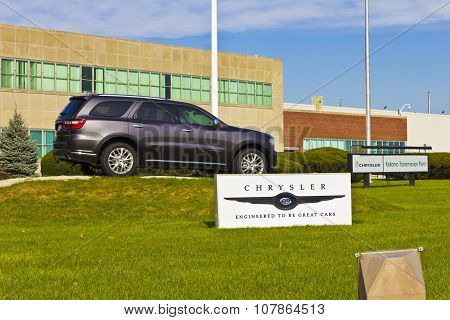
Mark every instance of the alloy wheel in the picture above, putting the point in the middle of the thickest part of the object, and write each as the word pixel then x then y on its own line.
pixel 252 163
pixel 120 160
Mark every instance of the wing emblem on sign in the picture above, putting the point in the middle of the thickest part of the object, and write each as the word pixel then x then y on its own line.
pixel 286 200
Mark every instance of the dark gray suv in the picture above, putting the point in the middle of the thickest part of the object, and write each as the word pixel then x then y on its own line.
pixel 121 133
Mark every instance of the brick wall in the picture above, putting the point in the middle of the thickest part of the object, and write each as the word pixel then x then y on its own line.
pixel 303 124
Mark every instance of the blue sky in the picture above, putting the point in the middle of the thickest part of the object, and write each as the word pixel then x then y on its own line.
pixel 316 39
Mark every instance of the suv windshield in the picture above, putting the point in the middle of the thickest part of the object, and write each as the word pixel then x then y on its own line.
pixel 73 107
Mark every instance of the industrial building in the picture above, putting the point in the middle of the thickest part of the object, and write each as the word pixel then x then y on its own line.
pixel 40 70
pixel 310 126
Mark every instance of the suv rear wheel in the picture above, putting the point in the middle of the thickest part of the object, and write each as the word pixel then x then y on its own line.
pixel 119 160
pixel 250 161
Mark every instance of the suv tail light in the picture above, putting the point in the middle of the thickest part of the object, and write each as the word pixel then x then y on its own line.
pixel 73 124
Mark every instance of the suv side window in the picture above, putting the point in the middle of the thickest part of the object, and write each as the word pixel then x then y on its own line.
pixel 151 112
pixel 192 116
pixel 111 109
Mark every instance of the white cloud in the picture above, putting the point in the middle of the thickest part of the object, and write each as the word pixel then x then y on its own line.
pixel 178 18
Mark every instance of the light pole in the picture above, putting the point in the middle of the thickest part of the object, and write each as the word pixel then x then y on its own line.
pixel 407 106
pixel 368 124
pixel 429 101
pixel 214 61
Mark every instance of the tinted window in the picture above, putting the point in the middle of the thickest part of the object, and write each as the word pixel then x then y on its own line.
pixel 153 113
pixel 111 109
pixel 192 116
pixel 73 107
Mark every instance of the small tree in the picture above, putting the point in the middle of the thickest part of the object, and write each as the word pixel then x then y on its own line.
pixel 18 152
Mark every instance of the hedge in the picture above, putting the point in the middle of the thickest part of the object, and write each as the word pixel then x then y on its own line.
pixel 50 166
pixel 320 160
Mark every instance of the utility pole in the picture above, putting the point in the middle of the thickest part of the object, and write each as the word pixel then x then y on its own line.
pixel 214 61
pixel 429 102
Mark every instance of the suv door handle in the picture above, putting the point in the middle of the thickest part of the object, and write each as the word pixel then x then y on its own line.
pixel 137 126
pixel 186 130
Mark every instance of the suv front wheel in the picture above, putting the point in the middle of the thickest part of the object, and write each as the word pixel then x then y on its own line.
pixel 250 161
pixel 119 160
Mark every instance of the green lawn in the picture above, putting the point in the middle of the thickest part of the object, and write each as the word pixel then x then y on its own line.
pixel 155 239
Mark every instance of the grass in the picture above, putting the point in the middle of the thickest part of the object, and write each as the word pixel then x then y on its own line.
pixel 155 239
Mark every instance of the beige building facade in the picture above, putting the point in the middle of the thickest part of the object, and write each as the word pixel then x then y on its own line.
pixel 41 69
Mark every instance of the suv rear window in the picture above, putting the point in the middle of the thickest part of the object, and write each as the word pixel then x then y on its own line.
pixel 73 107
pixel 111 109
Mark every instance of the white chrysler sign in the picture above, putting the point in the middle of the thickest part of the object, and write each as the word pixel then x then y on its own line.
pixel 389 163
pixel 283 200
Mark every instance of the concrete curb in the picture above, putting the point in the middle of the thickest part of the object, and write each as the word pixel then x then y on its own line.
pixel 10 182
pixel 171 177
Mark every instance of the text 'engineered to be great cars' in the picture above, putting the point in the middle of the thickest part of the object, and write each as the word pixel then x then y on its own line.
pixel 121 133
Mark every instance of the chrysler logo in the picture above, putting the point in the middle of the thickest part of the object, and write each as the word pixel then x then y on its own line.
pixel 285 200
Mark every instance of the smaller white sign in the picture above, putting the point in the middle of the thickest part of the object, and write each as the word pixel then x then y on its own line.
pixel 413 163
pixel 283 200
pixel 365 164
pixel 389 163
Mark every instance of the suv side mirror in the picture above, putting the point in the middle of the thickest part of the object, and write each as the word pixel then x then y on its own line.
pixel 216 123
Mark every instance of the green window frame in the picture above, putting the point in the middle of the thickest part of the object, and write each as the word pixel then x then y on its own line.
pixel 144 84
pixel 48 76
pixel 110 81
pixel 233 87
pixel 206 90
pixel 133 83
pixel 186 88
pixel 62 78
pixel 74 79
pixel 176 87
pixel 242 92
pixel 155 85
pixel 196 89
pixel 7 73
pixel 35 75
pixel 21 74
pixel 99 80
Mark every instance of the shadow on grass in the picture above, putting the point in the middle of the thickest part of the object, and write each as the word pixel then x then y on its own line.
pixel 210 224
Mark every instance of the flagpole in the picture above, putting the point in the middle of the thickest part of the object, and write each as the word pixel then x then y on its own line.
pixel 214 61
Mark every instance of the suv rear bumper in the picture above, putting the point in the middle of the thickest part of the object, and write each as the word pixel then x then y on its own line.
pixel 75 156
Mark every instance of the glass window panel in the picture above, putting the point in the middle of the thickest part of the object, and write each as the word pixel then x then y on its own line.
pixel 176 81
pixel 35 83
pixel 74 86
pixel 268 101
pixel 133 90
pixel 144 91
pixel 195 83
pixel 86 73
pixel 86 85
pixel 268 90
pixel 155 92
pixel 35 69
pixel 48 84
pixel 233 86
pixel 21 74
pixel 49 136
pixel 110 76
pixel 122 89
pixel 195 95
pixel 61 85
pixel 62 71
pixel 155 80
pixel 250 88
pixel 144 79
pixel 122 77
pixel 205 96
pixel 176 94
pixel 133 77
pixel 348 145
pixel 259 100
pixel 99 74
pixel 110 88
pixel 99 87
pixel 48 70
pixel 186 82
pixel 206 84
pixel 259 89
pixel 7 73
pixel 74 72
pixel 186 94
